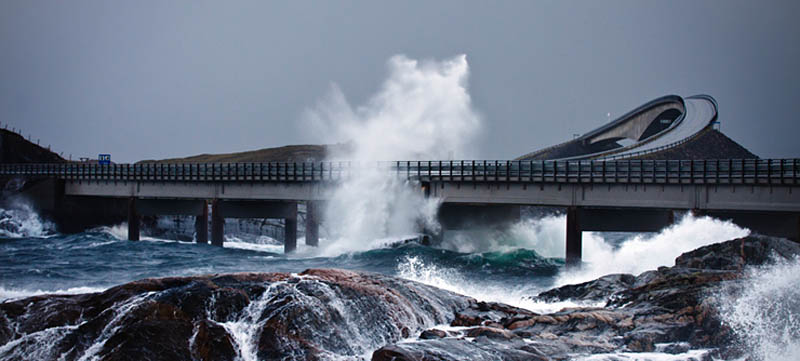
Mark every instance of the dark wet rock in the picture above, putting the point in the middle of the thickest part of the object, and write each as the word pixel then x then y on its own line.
pixel 432 334
pixel 673 305
pixel 212 342
pixel 676 348
pixel 597 290
pixel 737 253
pixel 458 349
pixel 315 315
pixel 490 332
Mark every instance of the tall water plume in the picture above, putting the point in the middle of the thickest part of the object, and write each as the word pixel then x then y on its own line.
pixel 422 111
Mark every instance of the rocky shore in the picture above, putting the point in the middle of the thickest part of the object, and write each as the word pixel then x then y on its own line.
pixel 325 314
pixel 672 310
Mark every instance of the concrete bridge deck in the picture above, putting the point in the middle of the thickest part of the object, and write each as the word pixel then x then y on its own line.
pixel 761 194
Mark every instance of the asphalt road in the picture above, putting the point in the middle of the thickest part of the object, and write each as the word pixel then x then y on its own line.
pixel 699 114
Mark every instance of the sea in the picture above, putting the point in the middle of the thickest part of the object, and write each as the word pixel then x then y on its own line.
pixel 506 266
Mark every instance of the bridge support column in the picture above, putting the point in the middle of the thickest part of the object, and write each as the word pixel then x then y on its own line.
pixel 312 224
pixel 217 224
pixel 290 235
pixel 133 220
pixel 574 240
pixel 201 225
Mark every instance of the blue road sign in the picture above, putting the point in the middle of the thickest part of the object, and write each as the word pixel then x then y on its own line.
pixel 104 159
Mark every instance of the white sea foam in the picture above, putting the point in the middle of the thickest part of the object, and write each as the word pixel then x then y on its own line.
pixel 766 313
pixel 649 251
pixel 120 310
pixel 246 329
pixel 413 268
pixel 38 345
pixel 422 111
pixel 691 355
pixel 7 294
pixel 120 232
pixel 251 246
pixel 22 221
pixel 546 236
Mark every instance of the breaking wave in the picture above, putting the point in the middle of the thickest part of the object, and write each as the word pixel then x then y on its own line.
pixel 765 314
pixel 22 221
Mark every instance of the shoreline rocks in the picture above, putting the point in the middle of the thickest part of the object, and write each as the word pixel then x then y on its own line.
pixel 675 306
pixel 312 315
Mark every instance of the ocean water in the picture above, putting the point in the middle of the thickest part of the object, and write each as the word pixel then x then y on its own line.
pixel 35 260
pixel 510 267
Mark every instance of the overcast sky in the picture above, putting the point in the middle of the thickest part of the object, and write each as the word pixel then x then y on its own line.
pixel 146 79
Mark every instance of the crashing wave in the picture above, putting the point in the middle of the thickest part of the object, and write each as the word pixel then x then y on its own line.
pixel 22 221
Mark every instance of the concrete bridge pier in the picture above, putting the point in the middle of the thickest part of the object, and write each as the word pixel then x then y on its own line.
pixel 254 209
pixel 138 207
pixel 312 224
pixel 134 220
pixel 201 225
pixel 608 219
pixel 217 224
pixel 290 235
pixel 574 237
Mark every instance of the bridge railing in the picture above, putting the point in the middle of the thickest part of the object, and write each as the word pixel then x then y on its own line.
pixel 722 171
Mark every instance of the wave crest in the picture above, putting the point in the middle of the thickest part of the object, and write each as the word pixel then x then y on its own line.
pixel 22 221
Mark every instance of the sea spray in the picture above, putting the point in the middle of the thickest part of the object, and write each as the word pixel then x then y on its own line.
pixel 765 313
pixel 20 220
pixel 648 251
pixel 422 111
pixel 8 294
pixel 448 278
pixel 546 236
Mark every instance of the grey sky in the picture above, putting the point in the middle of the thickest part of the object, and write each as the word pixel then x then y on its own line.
pixel 145 79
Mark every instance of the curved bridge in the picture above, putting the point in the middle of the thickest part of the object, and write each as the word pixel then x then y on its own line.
pixel 659 124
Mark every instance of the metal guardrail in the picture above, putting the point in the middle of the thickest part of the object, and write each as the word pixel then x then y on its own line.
pixel 652 150
pixel 722 171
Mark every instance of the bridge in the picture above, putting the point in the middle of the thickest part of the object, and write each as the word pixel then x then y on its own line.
pixel 657 125
pixel 598 195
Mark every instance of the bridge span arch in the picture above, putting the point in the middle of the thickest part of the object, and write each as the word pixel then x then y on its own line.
pixel 659 124
pixel 635 124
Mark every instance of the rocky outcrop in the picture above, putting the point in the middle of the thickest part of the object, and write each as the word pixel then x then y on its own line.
pixel 708 144
pixel 289 153
pixel 317 314
pixel 597 290
pixel 672 305
pixel 16 149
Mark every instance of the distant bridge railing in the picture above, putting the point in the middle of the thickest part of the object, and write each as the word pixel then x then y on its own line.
pixel 722 171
